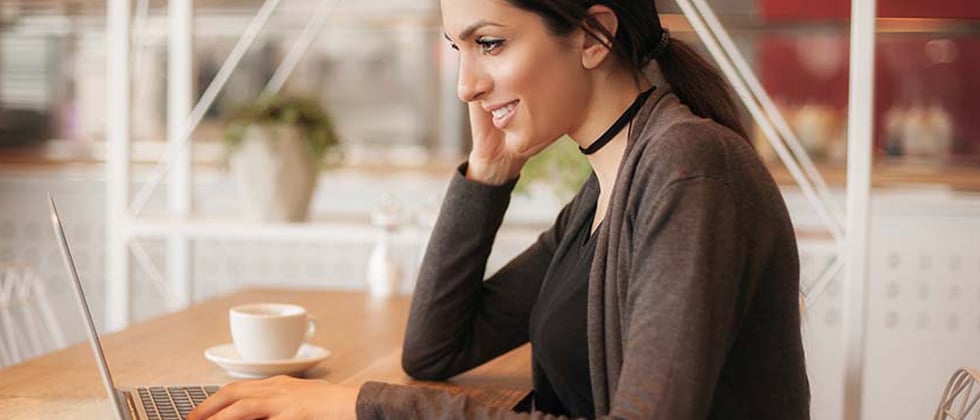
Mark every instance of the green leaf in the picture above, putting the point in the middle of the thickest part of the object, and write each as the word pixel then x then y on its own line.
pixel 303 112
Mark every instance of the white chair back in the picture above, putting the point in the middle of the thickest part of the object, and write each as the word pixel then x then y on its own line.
pixel 959 400
pixel 28 326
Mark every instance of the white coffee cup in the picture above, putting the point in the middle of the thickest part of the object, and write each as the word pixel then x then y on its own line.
pixel 270 331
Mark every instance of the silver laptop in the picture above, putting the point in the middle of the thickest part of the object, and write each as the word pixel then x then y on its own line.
pixel 142 403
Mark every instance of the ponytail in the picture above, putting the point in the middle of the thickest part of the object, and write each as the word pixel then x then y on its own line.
pixel 700 86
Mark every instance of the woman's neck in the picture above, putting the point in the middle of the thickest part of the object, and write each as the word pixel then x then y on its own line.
pixel 611 97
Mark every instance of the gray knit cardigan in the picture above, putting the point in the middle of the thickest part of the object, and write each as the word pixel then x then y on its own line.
pixel 693 309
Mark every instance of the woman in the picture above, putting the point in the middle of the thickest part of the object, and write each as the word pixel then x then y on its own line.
pixel 667 288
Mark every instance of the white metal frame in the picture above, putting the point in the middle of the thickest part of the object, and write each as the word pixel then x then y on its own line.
pixel 28 325
pixel 860 129
pixel 117 164
pixel 124 222
pixel 180 87
pixel 850 236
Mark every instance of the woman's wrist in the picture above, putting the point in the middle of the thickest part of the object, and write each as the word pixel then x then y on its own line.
pixel 497 172
pixel 348 401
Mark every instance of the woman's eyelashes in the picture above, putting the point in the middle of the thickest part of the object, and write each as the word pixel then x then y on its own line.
pixel 450 41
pixel 489 45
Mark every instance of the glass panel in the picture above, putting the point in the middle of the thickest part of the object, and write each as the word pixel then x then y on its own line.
pixel 926 91
pixel 374 66
pixel 376 73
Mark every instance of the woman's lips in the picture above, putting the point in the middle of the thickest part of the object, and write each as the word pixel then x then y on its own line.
pixel 502 115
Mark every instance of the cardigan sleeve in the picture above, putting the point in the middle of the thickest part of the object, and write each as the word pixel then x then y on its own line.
pixel 386 401
pixel 457 320
pixel 682 309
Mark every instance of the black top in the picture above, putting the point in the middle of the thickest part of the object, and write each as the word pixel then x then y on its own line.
pixel 560 351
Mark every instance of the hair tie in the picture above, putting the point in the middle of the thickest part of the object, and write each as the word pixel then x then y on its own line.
pixel 661 46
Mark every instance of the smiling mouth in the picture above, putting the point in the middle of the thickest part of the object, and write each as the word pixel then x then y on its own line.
pixel 504 111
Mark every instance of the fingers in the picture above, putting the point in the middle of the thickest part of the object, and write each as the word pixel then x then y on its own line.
pixel 247 409
pixel 278 397
pixel 480 126
pixel 227 396
pixel 213 404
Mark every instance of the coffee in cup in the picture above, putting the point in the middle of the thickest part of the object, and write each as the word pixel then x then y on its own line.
pixel 270 331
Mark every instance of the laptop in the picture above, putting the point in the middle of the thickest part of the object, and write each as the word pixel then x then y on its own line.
pixel 141 403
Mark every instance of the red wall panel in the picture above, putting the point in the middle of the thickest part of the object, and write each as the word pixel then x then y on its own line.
pixel 795 71
pixel 811 68
pixel 841 9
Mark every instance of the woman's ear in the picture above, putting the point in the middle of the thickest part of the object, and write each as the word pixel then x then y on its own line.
pixel 596 46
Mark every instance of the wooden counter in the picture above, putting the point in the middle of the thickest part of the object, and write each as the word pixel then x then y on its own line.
pixel 363 334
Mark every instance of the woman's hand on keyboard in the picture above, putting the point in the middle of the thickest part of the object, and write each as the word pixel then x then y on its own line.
pixel 279 397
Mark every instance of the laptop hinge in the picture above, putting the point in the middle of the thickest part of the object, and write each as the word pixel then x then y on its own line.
pixel 131 411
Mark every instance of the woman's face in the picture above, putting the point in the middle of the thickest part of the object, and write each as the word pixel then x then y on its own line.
pixel 530 82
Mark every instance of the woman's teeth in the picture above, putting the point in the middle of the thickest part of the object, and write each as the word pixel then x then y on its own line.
pixel 504 110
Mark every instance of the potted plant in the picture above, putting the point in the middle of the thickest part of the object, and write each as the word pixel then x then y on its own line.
pixel 561 168
pixel 276 147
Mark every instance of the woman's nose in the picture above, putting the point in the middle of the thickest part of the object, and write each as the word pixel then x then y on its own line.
pixel 473 81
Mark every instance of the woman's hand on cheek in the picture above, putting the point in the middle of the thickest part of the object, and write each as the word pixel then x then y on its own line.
pixel 279 397
pixel 490 161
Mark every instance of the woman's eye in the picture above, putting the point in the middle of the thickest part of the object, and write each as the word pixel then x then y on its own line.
pixel 489 45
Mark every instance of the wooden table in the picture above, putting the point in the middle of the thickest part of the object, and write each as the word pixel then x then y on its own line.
pixel 363 334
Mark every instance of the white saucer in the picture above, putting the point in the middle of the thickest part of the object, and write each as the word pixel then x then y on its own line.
pixel 227 358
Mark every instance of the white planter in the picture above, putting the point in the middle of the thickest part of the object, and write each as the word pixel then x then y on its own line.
pixel 275 172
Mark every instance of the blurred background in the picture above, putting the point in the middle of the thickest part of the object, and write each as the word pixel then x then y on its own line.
pixel 382 72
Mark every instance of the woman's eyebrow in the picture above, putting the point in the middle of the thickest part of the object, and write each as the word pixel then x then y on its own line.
pixel 468 32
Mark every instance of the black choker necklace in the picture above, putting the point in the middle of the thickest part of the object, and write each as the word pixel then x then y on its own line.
pixel 618 125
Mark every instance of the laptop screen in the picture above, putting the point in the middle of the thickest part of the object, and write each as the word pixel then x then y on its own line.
pixel 93 335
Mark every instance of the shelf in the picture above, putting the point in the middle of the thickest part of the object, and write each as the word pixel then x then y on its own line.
pixel 231 229
pixel 208 155
pixel 338 228
pixel 887 173
pixel 890 173
pixel 678 23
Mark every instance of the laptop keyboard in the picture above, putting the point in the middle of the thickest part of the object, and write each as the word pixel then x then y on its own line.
pixel 174 402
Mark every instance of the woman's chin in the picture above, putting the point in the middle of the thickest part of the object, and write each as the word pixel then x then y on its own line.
pixel 517 142
pixel 525 147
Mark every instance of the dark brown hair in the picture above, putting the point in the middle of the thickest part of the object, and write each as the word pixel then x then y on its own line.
pixel 695 81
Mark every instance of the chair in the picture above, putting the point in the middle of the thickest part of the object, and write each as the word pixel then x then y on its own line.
pixel 959 400
pixel 28 326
